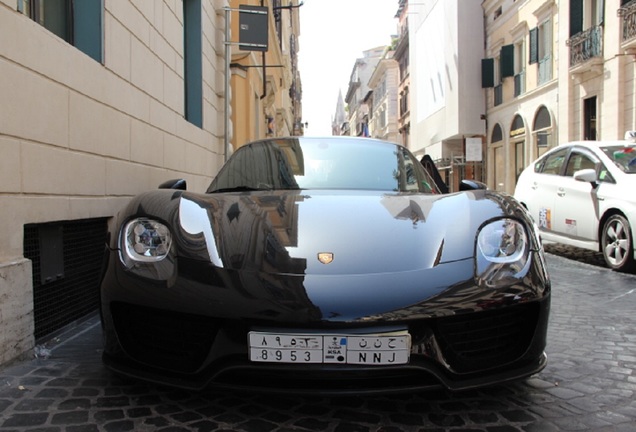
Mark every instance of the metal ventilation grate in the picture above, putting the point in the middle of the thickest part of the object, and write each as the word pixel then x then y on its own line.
pixel 67 289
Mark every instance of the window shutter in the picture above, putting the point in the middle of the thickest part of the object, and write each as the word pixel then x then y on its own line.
pixel 507 62
pixel 88 27
pixel 576 17
pixel 533 56
pixel 193 61
pixel 487 73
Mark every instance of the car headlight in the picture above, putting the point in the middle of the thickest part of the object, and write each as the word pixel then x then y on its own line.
pixel 145 240
pixel 501 254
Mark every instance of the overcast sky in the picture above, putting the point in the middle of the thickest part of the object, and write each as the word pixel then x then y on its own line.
pixel 333 34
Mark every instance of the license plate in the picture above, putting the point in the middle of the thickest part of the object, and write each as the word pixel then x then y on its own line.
pixel 365 349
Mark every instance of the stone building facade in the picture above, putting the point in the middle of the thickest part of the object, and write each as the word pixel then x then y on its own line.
pixel 266 85
pixel 101 100
pixel 519 76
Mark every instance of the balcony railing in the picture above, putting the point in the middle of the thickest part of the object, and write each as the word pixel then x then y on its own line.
pixel 628 21
pixel 586 45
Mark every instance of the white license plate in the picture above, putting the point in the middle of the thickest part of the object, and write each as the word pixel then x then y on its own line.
pixel 367 349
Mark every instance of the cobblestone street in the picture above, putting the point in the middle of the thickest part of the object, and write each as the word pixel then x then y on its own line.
pixel 588 385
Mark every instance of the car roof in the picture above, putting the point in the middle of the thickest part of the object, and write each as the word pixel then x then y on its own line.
pixel 616 143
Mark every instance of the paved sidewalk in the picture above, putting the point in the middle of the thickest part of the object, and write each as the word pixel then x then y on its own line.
pixel 588 385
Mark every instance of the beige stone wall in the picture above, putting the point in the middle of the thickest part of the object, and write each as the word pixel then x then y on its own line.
pixel 609 78
pixel 16 322
pixel 510 28
pixel 78 137
pixel 257 93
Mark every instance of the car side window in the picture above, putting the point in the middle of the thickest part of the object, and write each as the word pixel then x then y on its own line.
pixel 604 175
pixel 578 161
pixel 553 163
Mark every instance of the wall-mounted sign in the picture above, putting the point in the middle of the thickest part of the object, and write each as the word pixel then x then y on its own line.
pixel 517 132
pixel 473 150
pixel 253 28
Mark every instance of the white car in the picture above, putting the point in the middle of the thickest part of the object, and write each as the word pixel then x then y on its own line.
pixel 583 194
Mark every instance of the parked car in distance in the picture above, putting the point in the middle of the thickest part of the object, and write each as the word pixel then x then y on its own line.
pixel 325 266
pixel 583 194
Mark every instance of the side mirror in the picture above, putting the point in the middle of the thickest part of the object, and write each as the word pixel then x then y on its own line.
pixel 173 184
pixel 586 175
pixel 470 185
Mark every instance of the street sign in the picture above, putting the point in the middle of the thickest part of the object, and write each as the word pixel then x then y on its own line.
pixel 253 28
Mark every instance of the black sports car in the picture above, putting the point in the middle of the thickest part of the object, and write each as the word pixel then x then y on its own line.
pixel 325 265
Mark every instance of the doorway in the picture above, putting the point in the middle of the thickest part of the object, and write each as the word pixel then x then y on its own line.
pixel 589 119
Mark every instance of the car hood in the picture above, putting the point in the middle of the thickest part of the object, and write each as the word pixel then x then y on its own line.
pixel 327 232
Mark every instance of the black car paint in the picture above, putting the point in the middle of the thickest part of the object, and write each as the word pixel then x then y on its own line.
pixel 263 285
pixel 412 267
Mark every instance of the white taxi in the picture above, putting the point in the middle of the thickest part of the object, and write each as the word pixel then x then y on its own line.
pixel 583 194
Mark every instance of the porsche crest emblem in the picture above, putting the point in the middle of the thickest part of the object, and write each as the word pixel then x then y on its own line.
pixel 325 257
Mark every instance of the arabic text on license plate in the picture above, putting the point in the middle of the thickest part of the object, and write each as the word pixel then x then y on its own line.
pixel 366 349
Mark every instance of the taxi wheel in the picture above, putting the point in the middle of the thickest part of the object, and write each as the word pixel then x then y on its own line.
pixel 617 244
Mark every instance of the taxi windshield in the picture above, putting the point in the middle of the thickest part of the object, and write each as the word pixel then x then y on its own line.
pixel 624 157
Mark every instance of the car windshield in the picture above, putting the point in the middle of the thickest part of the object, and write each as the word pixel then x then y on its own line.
pixel 624 157
pixel 323 163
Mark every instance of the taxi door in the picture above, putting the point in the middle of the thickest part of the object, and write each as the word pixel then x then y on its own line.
pixel 539 189
pixel 576 210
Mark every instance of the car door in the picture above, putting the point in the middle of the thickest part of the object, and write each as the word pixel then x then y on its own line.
pixel 576 211
pixel 539 189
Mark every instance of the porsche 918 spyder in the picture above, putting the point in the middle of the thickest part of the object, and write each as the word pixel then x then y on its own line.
pixel 326 266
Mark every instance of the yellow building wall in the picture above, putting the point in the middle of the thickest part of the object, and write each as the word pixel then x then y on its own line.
pixel 261 102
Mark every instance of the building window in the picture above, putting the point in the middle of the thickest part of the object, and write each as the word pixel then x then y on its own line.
pixel 541 50
pixel 498 167
pixel 589 119
pixel 193 62
pixel 277 8
pixel 519 158
pixel 545 51
pixel 78 22
pixel 498 89
pixel 404 102
pixel 517 139
pixel 520 67
pixel 585 14
pixel 594 12
pixel 497 134
pixel 542 129
pixel 404 66
pixel 498 94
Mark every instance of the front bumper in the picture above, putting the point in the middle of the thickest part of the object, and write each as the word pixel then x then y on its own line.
pixel 463 337
pixel 183 359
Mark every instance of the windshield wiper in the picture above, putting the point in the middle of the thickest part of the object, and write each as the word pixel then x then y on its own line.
pixel 240 189
pixel 260 187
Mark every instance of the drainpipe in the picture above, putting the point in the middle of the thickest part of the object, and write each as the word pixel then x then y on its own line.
pixel 264 94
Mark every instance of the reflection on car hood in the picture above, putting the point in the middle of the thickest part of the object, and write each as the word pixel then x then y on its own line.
pixel 330 232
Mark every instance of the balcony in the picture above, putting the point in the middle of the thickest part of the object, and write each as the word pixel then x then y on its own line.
pixel 628 26
pixel 586 51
